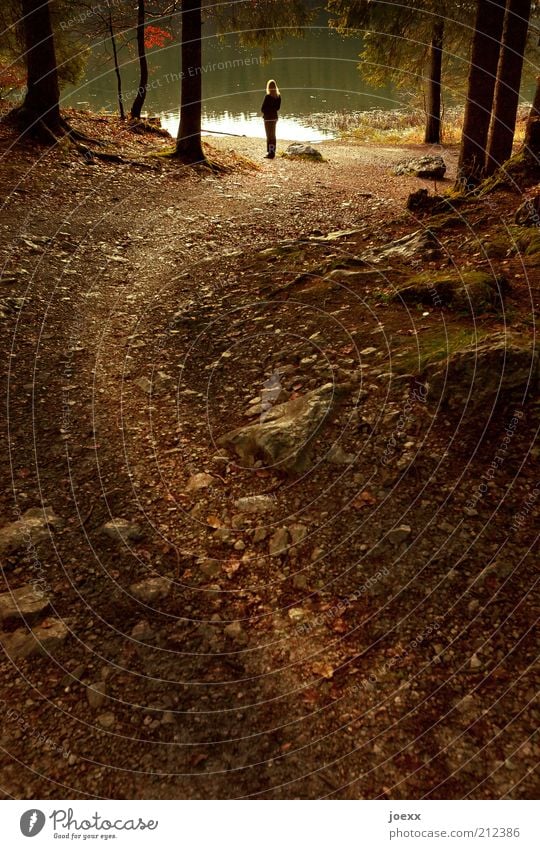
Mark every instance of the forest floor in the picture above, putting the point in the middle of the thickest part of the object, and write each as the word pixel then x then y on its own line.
pixel 370 635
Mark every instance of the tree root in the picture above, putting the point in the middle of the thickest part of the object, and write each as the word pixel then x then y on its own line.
pixel 37 128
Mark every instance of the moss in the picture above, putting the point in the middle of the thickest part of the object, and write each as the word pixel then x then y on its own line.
pixel 434 347
pixel 471 290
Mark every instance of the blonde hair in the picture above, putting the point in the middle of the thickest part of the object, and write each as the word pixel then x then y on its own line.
pixel 271 88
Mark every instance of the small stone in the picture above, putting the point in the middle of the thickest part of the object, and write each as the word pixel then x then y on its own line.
pixel 279 542
pixel 337 456
pixel 367 351
pixel 475 662
pixel 144 384
pixel 298 533
pixel 151 589
pixel 200 481
pixel 122 530
pixel 210 567
pixel 235 632
pixel 26 603
pixel 42 639
pixel 255 504
pixel 95 694
pixel 260 534
pixel 142 632
pixel 239 545
pixel 106 720
pixel 398 535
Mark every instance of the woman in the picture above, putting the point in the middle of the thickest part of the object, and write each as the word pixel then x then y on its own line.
pixel 270 109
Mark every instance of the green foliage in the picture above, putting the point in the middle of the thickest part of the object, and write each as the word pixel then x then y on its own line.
pixel 70 48
pixel 259 23
pixel 397 38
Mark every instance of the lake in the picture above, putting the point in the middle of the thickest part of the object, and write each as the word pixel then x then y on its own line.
pixel 317 73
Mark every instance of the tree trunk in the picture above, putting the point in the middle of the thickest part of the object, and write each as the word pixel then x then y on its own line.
pixel 138 103
pixel 482 75
pixel 188 144
pixel 433 111
pixel 41 107
pixel 116 65
pixel 503 122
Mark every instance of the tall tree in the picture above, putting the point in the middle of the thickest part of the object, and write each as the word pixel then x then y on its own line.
pixel 506 97
pixel 532 132
pixel 188 143
pixel 486 48
pixel 40 110
pixel 140 97
pixel 433 99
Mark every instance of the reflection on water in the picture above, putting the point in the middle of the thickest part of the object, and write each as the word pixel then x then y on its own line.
pixel 250 124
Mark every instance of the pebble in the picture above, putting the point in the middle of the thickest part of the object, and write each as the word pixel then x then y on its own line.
pixel 200 481
pixel 398 535
pixel 122 530
pixel 96 694
pixel 279 542
pixel 151 589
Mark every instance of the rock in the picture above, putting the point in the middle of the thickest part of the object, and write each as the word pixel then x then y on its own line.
pixel 297 150
pixel 209 567
pixel 42 639
pixel 284 438
pixel 279 542
pixel 398 535
pixel 144 384
pixel 33 527
pixel 239 545
pixel 122 530
pixel 151 589
pixel 255 504
pixel 528 214
pixel 107 720
pixel 95 694
pixel 421 244
pixel 338 457
pixel 298 534
pixel 425 168
pixel 473 291
pixel 200 481
pixel 480 375
pixel 26 603
pixel 260 534
pixel 235 632
pixel 475 662
pixel 142 632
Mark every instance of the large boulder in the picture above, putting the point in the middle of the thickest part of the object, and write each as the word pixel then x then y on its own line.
pixel 470 290
pixel 303 151
pixel 284 438
pixel 424 167
pixel 478 375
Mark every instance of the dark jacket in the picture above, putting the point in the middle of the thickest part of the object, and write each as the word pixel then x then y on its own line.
pixel 270 107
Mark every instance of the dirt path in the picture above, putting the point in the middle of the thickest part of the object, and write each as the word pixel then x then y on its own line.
pixel 341 666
